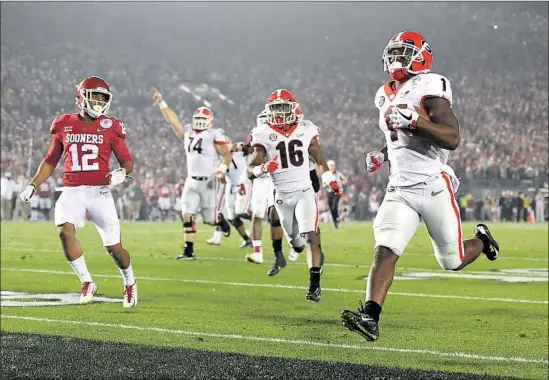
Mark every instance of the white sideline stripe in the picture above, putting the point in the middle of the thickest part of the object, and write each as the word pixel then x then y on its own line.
pixel 463 355
pixel 213 258
pixel 280 286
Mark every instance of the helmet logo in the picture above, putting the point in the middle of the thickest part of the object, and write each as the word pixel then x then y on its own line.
pixel 381 101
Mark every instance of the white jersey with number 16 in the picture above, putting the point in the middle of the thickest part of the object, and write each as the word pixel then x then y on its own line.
pixel 292 149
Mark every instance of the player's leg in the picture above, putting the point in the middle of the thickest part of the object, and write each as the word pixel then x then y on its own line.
pixel 259 209
pixel 70 210
pixel 306 214
pixel 333 204
pixel 276 237
pixel 234 210
pixel 242 200
pixel 190 200
pixel 218 232
pixel 102 209
pixel 440 212
pixel 309 252
pixel 220 221
pixel 394 226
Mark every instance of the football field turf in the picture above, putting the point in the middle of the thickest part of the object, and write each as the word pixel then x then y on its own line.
pixel 491 318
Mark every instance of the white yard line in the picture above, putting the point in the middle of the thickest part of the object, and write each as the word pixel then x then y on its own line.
pixel 280 286
pixel 462 355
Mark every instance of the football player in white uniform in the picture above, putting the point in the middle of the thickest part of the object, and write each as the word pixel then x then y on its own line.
pixel 281 148
pixel 233 209
pixel 205 184
pixel 415 114
pixel 262 200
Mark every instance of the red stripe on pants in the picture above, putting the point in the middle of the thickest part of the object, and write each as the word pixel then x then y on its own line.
pixel 456 212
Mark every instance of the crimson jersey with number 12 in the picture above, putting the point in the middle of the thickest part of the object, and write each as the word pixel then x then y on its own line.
pixel 87 147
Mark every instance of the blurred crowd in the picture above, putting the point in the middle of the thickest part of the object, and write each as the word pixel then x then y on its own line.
pixel 498 75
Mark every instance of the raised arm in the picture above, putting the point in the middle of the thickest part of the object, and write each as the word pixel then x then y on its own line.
pixel 169 115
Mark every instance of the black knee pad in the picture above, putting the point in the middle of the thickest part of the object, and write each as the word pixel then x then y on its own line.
pixel 299 249
pixel 236 222
pixel 274 223
pixel 189 227
pixel 272 214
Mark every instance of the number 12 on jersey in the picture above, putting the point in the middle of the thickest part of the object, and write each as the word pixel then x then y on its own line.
pixel 82 162
pixel 291 153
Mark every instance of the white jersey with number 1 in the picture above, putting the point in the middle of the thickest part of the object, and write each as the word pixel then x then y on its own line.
pixel 202 157
pixel 413 158
pixel 292 149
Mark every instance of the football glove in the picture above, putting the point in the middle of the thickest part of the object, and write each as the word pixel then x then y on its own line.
pixel 328 179
pixel 220 171
pixel 266 167
pixel 241 189
pixel 374 161
pixel 27 194
pixel 117 176
pixel 401 118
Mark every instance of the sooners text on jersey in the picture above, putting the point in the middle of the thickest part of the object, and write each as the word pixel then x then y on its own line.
pixel 87 148
pixel 292 149
pixel 413 158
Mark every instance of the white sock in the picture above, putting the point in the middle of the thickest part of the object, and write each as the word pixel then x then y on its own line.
pixel 256 244
pixel 81 269
pixel 217 235
pixel 127 275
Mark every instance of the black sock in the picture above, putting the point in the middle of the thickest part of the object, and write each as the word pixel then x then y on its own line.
pixel 485 243
pixel 188 248
pixel 224 225
pixel 277 245
pixel 373 309
pixel 245 237
pixel 314 275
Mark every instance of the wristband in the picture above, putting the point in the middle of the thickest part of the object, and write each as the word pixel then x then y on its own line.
pixel 33 185
pixel 328 177
pixel 162 105
pixel 258 170
pixel 222 168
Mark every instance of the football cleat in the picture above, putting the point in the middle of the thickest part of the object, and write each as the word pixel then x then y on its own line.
pixel 361 323
pixel 293 255
pixel 314 293
pixel 255 257
pixel 491 247
pixel 87 292
pixel 213 241
pixel 245 244
pixel 130 295
pixel 279 263
pixel 186 256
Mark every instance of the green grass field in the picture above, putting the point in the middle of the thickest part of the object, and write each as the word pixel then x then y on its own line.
pixel 491 318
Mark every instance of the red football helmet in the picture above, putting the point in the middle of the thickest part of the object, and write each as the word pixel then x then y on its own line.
pixel 203 118
pixel 86 96
pixel 407 53
pixel 281 108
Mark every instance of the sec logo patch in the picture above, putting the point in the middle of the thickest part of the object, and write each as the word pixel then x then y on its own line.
pixel 273 137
